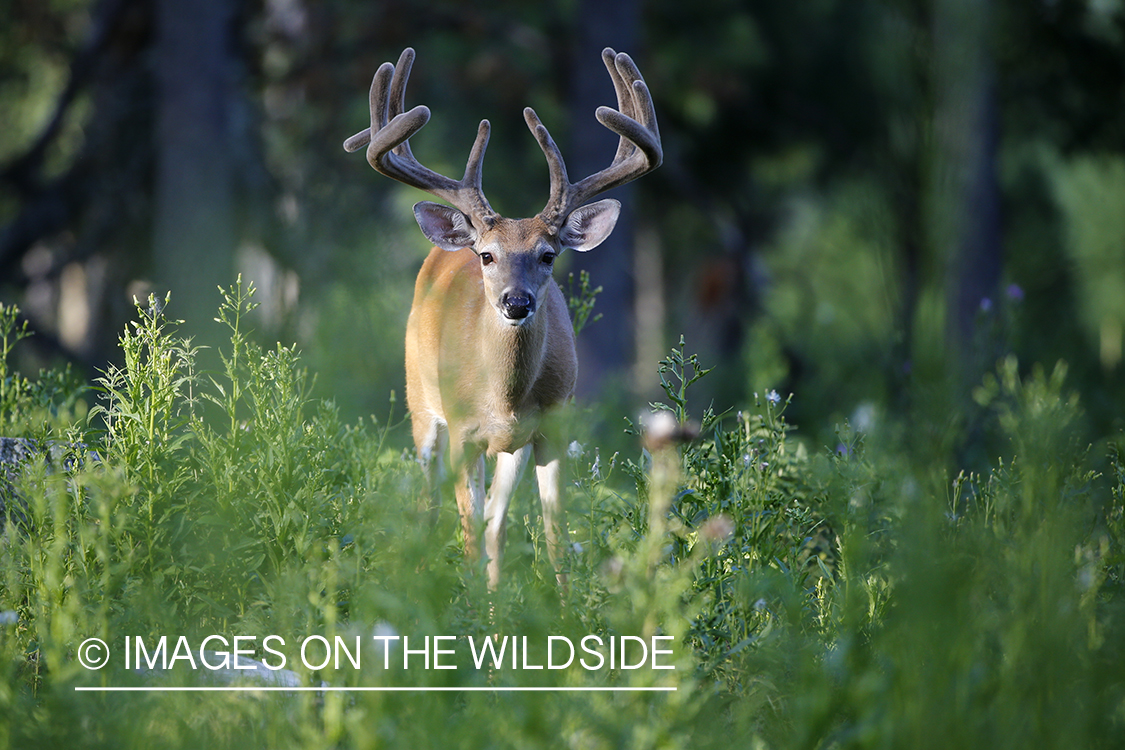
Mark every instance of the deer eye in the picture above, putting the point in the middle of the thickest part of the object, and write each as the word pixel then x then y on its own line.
pixel 486 259
pixel 547 258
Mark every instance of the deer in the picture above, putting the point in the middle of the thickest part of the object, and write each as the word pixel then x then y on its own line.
pixel 490 346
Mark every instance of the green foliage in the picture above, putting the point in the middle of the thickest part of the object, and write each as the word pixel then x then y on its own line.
pixel 47 405
pixel 815 598
pixel 1090 190
pixel 12 387
pixel 581 301
pixel 675 380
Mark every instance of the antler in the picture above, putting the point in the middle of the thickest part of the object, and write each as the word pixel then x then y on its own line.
pixel 388 149
pixel 638 151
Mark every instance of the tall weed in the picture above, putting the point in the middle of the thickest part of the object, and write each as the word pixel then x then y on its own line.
pixel 834 596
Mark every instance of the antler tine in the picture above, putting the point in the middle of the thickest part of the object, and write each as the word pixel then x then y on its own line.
pixel 638 150
pixel 394 104
pixel 624 99
pixel 388 147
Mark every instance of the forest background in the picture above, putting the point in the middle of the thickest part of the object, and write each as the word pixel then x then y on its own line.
pixel 867 203
pixel 890 233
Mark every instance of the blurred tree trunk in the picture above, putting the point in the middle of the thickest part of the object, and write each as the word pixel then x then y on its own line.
pixel 966 215
pixel 606 349
pixel 194 223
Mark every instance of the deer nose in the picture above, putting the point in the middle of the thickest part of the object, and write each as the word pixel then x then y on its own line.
pixel 517 305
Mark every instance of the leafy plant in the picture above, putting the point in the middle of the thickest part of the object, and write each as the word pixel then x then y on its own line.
pixel 581 301
pixel 822 598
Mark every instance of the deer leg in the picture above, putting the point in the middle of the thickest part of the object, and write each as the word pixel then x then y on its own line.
pixel 548 470
pixel 430 437
pixel 469 463
pixel 509 468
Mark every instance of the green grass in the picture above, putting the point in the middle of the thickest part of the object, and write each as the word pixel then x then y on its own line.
pixel 856 595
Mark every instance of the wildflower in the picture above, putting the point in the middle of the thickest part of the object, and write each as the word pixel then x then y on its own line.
pixel 1014 292
pixel 773 397
pixel 384 629
pixel 661 431
pixel 718 528
pixel 864 417
pixel 385 637
pixel 661 427
pixel 1086 579
pixel 613 569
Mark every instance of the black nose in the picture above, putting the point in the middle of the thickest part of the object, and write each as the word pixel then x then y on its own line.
pixel 517 305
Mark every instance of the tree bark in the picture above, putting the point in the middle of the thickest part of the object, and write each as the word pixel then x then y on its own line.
pixel 194 225
pixel 967 194
pixel 606 350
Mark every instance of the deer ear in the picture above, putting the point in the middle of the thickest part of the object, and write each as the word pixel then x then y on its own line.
pixel 446 227
pixel 588 226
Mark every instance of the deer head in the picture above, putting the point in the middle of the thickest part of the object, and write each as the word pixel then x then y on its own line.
pixel 516 256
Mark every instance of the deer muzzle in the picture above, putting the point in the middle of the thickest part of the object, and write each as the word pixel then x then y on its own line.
pixel 517 307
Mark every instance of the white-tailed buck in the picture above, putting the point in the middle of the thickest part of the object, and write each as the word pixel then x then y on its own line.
pixel 489 342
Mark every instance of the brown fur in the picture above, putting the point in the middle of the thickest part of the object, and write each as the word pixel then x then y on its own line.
pixel 487 382
pixel 489 343
pixel 478 375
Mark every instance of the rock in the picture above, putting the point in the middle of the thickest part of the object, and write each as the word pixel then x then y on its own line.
pixel 14 452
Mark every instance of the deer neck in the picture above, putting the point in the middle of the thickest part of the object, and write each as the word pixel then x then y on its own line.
pixel 518 353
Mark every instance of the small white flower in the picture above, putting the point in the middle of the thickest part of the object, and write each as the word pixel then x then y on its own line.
pixel 575 449
pixel 1085 579
pixel 384 629
pixel 384 639
pixel 864 417
pixel 773 397
pixel 661 426
pixel 614 567
pixel 719 529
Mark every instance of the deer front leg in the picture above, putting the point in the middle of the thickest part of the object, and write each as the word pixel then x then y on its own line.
pixel 548 470
pixel 470 497
pixel 430 435
pixel 509 468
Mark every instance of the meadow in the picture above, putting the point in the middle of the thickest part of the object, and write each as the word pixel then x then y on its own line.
pixel 857 594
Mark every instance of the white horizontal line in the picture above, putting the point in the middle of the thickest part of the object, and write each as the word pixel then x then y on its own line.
pixel 335 689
